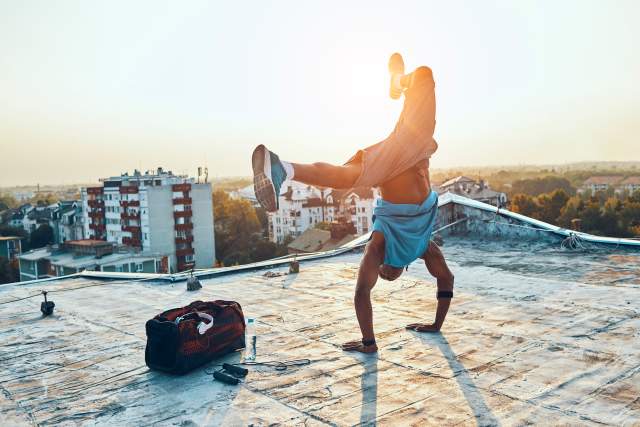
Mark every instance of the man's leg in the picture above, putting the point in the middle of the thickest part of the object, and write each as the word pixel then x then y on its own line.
pixel 437 266
pixel 269 173
pixel 367 277
pixel 327 175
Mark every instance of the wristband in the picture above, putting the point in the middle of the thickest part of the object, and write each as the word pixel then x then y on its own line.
pixel 445 294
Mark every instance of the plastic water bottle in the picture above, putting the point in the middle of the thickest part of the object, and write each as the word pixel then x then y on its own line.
pixel 250 340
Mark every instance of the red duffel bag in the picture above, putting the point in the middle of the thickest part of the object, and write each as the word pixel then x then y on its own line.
pixel 181 339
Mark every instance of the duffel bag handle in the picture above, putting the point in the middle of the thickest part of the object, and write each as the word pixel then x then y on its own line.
pixel 202 326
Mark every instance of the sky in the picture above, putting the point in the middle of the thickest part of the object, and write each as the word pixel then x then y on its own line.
pixel 91 89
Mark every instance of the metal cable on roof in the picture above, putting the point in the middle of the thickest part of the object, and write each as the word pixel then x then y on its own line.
pixel 89 285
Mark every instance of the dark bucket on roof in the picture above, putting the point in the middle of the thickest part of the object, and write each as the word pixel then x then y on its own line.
pixel 182 339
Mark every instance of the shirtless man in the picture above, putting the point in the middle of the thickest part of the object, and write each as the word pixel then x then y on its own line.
pixel 403 218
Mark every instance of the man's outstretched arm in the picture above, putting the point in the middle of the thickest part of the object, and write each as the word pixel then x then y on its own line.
pixel 437 266
pixel 367 277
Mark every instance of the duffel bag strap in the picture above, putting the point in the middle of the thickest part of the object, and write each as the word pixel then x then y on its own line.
pixel 202 326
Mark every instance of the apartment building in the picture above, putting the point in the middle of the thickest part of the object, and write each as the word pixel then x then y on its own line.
pixel 475 190
pixel 156 212
pixel 600 183
pixel 358 205
pixel 302 207
pixel 630 184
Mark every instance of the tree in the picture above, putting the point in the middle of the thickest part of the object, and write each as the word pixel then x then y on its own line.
pixel 42 236
pixel 323 225
pixel 550 205
pixel 7 201
pixel 630 217
pixel 237 228
pixel 524 204
pixel 610 220
pixel 44 199
pixel 571 210
pixel 591 219
pixel 547 184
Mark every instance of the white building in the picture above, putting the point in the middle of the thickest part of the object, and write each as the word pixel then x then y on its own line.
pixel 630 184
pixel 600 183
pixel 67 222
pixel 467 187
pixel 156 212
pixel 359 204
pixel 303 206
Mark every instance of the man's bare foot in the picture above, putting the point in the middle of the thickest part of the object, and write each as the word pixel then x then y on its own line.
pixel 423 327
pixel 358 346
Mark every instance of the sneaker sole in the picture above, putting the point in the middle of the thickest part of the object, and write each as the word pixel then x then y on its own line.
pixel 262 184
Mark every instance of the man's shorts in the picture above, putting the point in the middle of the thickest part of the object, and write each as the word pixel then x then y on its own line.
pixel 406 228
pixel 410 142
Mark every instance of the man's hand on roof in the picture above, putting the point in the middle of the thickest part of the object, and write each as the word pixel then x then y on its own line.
pixel 423 327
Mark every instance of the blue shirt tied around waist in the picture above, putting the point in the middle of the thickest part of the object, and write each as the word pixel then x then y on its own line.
pixel 406 228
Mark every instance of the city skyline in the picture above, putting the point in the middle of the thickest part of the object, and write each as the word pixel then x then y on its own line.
pixel 95 89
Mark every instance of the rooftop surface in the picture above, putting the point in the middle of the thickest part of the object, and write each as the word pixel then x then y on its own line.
pixel 535 334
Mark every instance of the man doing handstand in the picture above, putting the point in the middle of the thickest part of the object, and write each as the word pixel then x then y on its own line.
pixel 403 218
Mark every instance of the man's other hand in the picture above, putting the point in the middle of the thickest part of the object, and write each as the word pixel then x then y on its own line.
pixel 423 327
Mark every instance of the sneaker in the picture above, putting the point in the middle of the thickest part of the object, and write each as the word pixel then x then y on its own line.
pixel 268 176
pixel 396 70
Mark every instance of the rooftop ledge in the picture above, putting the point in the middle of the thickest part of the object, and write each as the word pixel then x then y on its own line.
pixel 536 334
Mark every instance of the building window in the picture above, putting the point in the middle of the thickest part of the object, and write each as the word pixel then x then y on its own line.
pixel 146 236
pixel 139 267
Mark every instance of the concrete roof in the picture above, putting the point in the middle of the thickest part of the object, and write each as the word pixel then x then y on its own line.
pixel 635 180
pixel 535 335
pixel 313 239
pixel 35 254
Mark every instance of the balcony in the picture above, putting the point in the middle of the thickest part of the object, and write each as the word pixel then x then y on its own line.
pixel 184 240
pixel 131 241
pixel 95 190
pixel 182 266
pixel 95 203
pixel 132 229
pixel 182 201
pixel 185 252
pixel 130 215
pixel 128 203
pixel 96 227
pixel 96 214
pixel 181 187
pixel 182 214
pixel 183 227
pixel 129 189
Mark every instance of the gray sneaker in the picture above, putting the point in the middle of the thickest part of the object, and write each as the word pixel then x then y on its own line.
pixel 268 177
